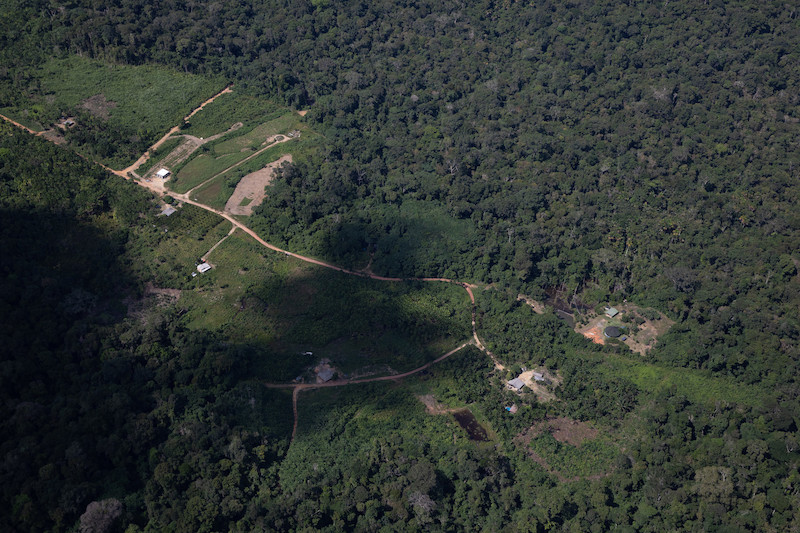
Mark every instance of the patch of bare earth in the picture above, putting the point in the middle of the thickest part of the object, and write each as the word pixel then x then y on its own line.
pixel 544 393
pixel 153 296
pixel 593 330
pixel 565 430
pixel 251 189
pixel 648 332
pixel 432 406
pixel 170 295
pixel 54 137
pixel 538 307
pixel 98 106
pixel 639 339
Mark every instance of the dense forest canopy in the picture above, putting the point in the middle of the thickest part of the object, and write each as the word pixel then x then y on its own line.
pixel 608 151
pixel 644 150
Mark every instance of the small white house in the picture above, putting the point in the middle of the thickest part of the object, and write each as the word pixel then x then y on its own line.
pixel 163 173
pixel 203 267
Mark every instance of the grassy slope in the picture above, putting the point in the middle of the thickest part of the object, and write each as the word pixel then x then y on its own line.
pixel 233 148
pixel 148 98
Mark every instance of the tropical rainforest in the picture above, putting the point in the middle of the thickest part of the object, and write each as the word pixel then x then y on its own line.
pixel 581 154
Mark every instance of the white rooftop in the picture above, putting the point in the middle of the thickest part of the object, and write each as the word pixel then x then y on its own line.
pixel 203 267
pixel 163 173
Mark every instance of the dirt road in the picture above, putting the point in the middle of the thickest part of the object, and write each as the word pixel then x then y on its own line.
pixel 157 188
pixel 145 156
pixel 344 382
pixel 20 126
pixel 283 139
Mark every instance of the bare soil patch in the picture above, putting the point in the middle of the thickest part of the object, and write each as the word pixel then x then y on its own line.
pixel 251 187
pixel 639 338
pixel 169 294
pixel 538 307
pixel 54 137
pixel 571 431
pixel 303 112
pixel 648 332
pixel 544 393
pixel 153 296
pixel 564 430
pixel 433 407
pixel 98 106
pixel 594 330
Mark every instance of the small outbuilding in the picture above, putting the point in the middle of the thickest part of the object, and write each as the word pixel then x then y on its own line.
pixel 168 210
pixel 612 332
pixel 325 375
pixel 515 384
pixel 203 267
pixel 163 173
pixel 611 312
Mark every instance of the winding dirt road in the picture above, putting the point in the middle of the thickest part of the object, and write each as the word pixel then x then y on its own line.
pixel 343 382
pixel 159 190
pixel 145 156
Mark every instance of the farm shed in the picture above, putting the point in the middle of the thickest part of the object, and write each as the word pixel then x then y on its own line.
pixel 516 384
pixel 203 267
pixel 163 173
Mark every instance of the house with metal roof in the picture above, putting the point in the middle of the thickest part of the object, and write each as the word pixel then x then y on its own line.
pixel 515 384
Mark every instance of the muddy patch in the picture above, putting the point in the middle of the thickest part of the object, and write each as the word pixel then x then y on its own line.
pixel 467 420
pixel 98 106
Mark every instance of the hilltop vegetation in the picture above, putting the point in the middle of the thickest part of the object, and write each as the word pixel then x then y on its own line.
pixel 642 151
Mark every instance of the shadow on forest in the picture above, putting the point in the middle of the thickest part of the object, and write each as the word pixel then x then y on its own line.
pixel 360 324
pixel 412 240
pixel 67 410
pixel 97 404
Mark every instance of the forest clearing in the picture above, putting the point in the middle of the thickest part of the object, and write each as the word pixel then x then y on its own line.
pixel 390 335
pixel 250 190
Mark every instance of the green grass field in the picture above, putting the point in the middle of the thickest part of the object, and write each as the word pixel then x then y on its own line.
pixel 119 110
pixel 201 168
pixel 696 385
pixel 231 108
pixel 168 250
pixel 156 156
pixel 256 295
pixel 147 98
pixel 235 147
